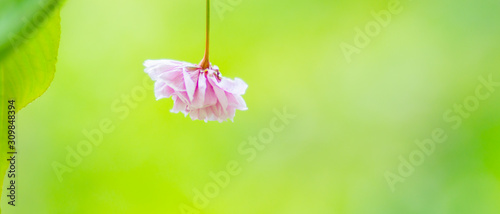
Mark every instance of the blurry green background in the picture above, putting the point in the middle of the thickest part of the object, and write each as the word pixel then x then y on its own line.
pixel 353 120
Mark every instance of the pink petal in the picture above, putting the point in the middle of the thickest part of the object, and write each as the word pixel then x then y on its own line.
pixel 157 67
pixel 210 113
pixel 210 97
pixel 236 101
pixel 199 94
pixel 194 114
pixel 221 95
pixel 236 86
pixel 174 79
pixel 179 106
pixel 190 80
pixel 163 91
pixel 182 95
pixel 230 114
pixel 202 114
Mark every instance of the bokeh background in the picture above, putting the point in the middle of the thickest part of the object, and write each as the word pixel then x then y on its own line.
pixel 353 120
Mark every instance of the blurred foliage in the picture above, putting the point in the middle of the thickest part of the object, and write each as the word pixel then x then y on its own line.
pixel 353 120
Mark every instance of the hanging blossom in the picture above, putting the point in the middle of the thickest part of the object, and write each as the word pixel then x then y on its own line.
pixel 200 92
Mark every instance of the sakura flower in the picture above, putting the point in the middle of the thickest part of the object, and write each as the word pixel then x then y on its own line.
pixel 202 93
pixel 197 90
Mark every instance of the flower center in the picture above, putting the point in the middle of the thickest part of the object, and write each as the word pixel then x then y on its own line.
pixel 212 72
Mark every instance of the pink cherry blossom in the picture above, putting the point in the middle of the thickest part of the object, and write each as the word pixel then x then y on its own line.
pixel 202 93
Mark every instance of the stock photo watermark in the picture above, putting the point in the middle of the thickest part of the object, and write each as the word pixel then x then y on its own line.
pixel 454 117
pixel 93 137
pixel 249 149
pixel 31 24
pixel 224 6
pixel 364 35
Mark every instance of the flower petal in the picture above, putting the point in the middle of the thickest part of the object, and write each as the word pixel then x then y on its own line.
pixel 194 114
pixel 174 79
pixel 179 106
pixel 157 67
pixel 210 97
pixel 236 101
pixel 182 95
pixel 199 94
pixel 190 79
pixel 162 90
pixel 202 114
pixel 236 86
pixel 221 95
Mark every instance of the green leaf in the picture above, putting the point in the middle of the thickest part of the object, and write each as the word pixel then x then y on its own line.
pixel 28 56
pixel 29 42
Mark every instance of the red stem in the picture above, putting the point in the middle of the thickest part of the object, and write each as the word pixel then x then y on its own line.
pixel 205 63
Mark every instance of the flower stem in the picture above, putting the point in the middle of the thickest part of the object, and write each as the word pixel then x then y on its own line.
pixel 205 63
